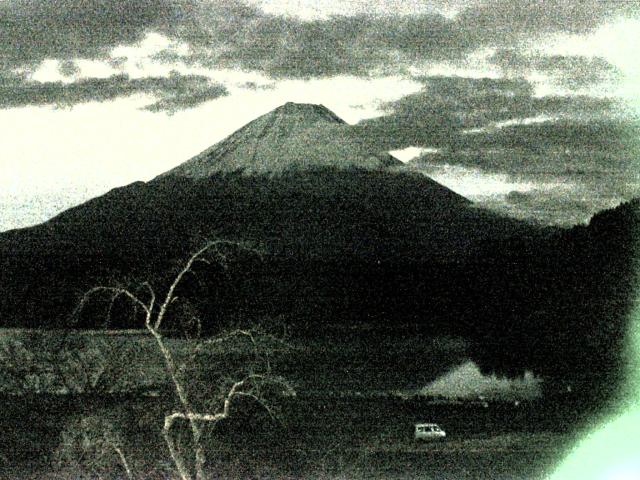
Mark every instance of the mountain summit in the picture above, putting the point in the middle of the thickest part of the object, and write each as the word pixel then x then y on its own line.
pixel 294 136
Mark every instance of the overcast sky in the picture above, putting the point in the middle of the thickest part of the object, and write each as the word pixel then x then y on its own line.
pixel 527 106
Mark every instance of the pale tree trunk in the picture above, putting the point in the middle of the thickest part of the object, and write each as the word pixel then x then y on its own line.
pixel 123 460
pixel 196 431
pixel 247 387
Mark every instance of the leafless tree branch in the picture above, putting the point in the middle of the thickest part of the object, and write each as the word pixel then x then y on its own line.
pixel 249 386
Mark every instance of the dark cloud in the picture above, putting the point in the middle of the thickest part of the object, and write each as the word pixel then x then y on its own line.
pixel 241 36
pixel 174 92
pixel 574 72
pixel 189 98
pixel 499 22
pixel 609 135
pixel 285 47
pixel 583 155
pixel 64 29
pixel 589 150
pixel 68 68
pixel 565 190
pixel 436 115
pixel 582 162
pixel 498 126
pixel 448 109
pixel 257 86
pixel 237 35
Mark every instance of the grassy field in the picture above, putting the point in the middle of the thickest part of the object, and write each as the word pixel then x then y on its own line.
pixel 46 428
pixel 352 438
pixel 344 361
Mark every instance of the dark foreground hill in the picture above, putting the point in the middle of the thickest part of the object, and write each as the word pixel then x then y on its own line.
pixel 343 228
pixel 351 251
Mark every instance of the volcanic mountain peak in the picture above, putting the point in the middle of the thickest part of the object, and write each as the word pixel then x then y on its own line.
pixel 306 111
pixel 294 136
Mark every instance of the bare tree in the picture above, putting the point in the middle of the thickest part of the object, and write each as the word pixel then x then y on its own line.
pixel 61 362
pixel 252 385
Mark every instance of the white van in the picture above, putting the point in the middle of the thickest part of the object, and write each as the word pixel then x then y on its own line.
pixel 429 431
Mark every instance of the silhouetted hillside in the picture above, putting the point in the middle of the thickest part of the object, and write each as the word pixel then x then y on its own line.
pixel 347 248
pixel 310 224
pixel 560 304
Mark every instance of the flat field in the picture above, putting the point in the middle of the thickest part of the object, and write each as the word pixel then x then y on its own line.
pixel 45 430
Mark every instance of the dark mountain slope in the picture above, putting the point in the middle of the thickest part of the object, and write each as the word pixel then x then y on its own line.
pixel 326 217
pixel 291 181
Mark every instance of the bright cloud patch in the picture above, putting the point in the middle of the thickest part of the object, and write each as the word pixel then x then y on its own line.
pixel 476 184
pixel 410 153
pixel 466 381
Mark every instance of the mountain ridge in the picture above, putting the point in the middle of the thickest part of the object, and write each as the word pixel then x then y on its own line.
pixel 293 136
